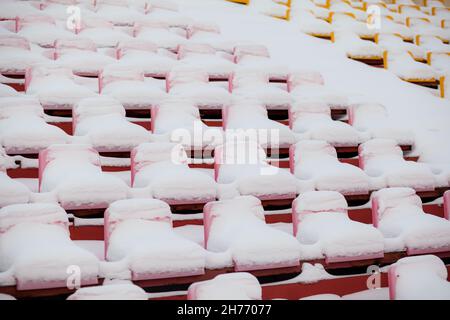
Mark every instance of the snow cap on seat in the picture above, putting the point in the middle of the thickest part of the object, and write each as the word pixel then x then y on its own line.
pixel 377 147
pixel 320 201
pixel 47 213
pixel 391 197
pixel 304 77
pixel 185 74
pixel 22 105
pixel 100 105
pixel 148 153
pixel 72 151
pixel 14 41
pixel 313 148
pixel 236 206
pixel 144 209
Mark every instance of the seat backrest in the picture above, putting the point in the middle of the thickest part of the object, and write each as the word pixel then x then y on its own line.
pixel 96 106
pixel 21 105
pixel 33 20
pixel 303 108
pixel 62 45
pixel 71 152
pixel 247 77
pixel 303 77
pixel 238 152
pixel 241 51
pixel 314 202
pixel 185 75
pixel 377 147
pixel 149 24
pixel 14 41
pixel 359 115
pixel 111 75
pixel 142 209
pixel 185 50
pixel 310 149
pixel 44 213
pixel 202 27
pixel 148 153
pixel 385 199
pixel 235 207
pixel 134 45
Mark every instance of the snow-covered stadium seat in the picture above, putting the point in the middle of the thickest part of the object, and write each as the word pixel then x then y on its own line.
pixel 408 69
pixel 383 159
pixel 102 120
pixel 180 121
pixel 372 117
pixel 130 88
pixel 309 85
pixel 41 30
pixel 317 161
pixel 320 219
pixel 271 135
pixel 23 129
pixel 250 83
pixel 395 43
pixel 206 58
pixel 102 32
pixel 310 24
pixel 120 12
pixel 419 278
pixel 244 164
pixel 439 61
pixel 312 121
pixel 81 56
pixel 398 214
pixel 57 88
pixel 162 167
pixel 232 286
pixel 358 49
pixel 201 33
pixel 140 232
pixel 73 173
pixel 257 56
pixel 144 55
pixel 37 249
pixel 159 32
pixel 17 55
pixel 193 84
pixel 238 226
pixel 348 22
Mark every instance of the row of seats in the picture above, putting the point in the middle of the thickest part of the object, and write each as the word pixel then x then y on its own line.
pixel 411 278
pixel 402 278
pixel 141 243
pixel 161 169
